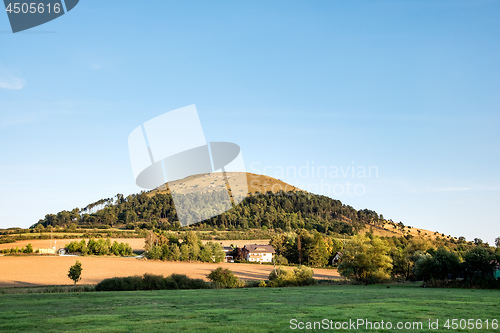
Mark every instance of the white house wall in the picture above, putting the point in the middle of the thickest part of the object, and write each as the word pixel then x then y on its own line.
pixel 260 257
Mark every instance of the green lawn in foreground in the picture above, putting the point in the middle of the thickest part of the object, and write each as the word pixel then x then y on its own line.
pixel 242 310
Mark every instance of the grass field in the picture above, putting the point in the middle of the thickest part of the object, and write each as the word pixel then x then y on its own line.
pixel 244 310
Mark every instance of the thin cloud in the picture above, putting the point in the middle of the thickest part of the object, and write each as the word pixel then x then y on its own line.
pixel 12 82
pixel 464 189
pixel 20 120
pixel 452 189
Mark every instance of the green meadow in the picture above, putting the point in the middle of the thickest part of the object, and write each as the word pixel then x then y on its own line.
pixel 250 310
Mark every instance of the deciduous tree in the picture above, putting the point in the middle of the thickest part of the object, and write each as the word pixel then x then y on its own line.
pixel 75 272
pixel 365 259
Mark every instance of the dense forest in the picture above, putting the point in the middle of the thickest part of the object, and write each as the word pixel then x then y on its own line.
pixel 285 211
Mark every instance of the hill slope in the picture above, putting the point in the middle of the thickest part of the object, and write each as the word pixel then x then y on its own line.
pixel 270 203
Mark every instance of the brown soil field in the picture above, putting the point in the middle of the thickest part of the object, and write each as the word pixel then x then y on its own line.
pixel 137 244
pixel 21 271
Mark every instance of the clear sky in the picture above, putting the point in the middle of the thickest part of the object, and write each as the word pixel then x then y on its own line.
pixel 405 93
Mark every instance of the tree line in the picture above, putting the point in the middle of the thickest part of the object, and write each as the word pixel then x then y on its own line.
pixel 165 246
pixel 370 258
pixel 305 248
pixel 99 247
pixel 285 211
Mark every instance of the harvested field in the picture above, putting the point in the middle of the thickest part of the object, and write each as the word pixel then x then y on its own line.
pixel 137 244
pixel 17 271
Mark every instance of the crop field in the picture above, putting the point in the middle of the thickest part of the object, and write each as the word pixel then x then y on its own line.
pixel 18 271
pixel 251 310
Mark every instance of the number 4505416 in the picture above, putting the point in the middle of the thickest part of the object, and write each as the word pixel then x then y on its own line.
pixel 471 324
pixel 33 8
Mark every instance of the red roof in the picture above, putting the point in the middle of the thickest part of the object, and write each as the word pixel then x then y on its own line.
pixel 255 248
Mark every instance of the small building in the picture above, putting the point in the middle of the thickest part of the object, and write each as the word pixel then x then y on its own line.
pixel 62 251
pixel 47 251
pixel 259 253
pixel 228 250
pixel 336 258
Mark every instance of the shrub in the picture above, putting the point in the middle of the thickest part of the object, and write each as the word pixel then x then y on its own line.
pixel 184 282
pixel 300 276
pixel 442 264
pixel 280 260
pixel 29 248
pixel 470 284
pixel 224 278
pixel 151 282
pixel 155 252
pixel 198 284
pixel 170 283
pixel 73 247
pixel 304 276
pixel 129 283
pixel 180 281
pixel 281 278
pixel 252 284
pixel 262 284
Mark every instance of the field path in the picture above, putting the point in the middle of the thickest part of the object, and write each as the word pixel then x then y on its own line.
pixel 53 270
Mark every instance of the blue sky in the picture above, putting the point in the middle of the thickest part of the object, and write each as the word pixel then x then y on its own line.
pixel 409 89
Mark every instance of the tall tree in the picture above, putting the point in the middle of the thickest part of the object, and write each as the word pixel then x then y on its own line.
pixel 365 259
pixel 318 255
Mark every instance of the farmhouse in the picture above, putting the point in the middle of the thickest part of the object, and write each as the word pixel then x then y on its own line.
pixel 259 253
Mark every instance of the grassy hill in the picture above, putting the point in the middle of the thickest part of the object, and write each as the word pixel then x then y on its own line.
pixel 253 183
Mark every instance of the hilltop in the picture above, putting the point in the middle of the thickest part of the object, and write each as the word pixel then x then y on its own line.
pixel 254 183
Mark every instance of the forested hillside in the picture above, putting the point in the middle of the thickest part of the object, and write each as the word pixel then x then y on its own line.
pixel 280 210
